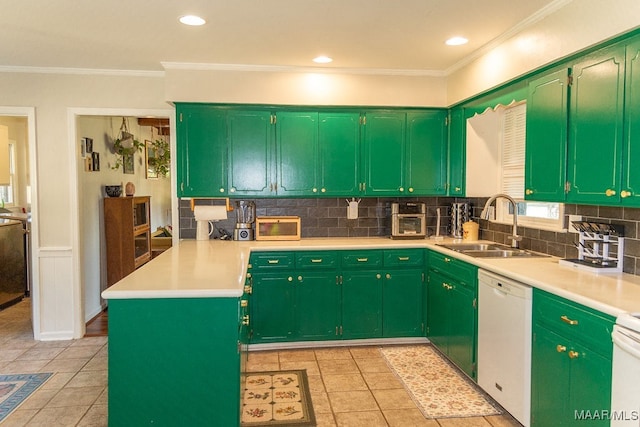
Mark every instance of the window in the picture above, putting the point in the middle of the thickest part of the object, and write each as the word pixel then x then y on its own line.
pixel 7 196
pixel 512 158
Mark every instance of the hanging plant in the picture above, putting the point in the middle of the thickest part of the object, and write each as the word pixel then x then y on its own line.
pixel 161 161
pixel 125 145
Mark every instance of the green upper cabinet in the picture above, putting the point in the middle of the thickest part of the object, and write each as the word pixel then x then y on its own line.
pixel 297 153
pixel 405 153
pixel 384 153
pixel 456 157
pixel 339 142
pixel 596 127
pixel 630 192
pixel 426 153
pixel 546 146
pixel 250 153
pixel 202 131
pixel 260 151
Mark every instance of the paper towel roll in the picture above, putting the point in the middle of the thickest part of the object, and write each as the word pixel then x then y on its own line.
pixel 210 213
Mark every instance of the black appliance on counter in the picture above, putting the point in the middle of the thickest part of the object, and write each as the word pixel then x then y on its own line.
pixel 13 271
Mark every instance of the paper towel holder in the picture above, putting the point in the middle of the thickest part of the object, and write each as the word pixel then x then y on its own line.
pixel 226 199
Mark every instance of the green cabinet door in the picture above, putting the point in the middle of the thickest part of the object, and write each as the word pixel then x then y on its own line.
pixel 361 304
pixel 384 153
pixel 630 193
pixel 438 304
pixel 546 140
pixel 402 303
pixel 250 153
pixel 297 153
pixel 426 145
pixel 549 378
pixel 317 305
pixel 272 307
pixel 462 328
pixel 339 142
pixel 457 152
pixel 201 151
pixel 596 127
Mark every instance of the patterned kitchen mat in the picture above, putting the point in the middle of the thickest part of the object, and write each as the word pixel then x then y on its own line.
pixel 277 398
pixel 437 388
pixel 16 388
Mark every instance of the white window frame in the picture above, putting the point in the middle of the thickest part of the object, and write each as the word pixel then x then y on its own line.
pixel 512 167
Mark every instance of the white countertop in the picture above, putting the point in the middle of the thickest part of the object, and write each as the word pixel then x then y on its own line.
pixel 215 269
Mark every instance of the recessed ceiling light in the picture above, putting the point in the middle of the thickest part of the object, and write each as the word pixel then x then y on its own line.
pixel 192 20
pixel 322 59
pixel 456 41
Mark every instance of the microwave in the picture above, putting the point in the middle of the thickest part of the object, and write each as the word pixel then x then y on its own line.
pixel 408 220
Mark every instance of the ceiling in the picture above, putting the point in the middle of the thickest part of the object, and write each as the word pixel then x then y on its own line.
pixel 141 35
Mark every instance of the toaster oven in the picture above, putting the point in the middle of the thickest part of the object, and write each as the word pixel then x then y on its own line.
pixel 408 220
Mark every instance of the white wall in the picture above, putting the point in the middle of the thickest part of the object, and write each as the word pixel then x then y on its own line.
pixel 304 88
pixel 60 300
pixel 578 25
pixel 103 130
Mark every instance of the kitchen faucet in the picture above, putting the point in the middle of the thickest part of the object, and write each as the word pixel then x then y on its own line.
pixel 485 215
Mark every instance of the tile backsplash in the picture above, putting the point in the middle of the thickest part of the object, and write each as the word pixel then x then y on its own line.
pixel 328 218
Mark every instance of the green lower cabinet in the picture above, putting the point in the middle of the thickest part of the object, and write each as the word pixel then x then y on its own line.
pixel 462 329
pixel 361 304
pixel 571 356
pixel 402 303
pixel 272 307
pixel 174 362
pixel 452 313
pixel 317 306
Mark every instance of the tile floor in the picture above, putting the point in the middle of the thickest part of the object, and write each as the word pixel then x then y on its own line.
pixel 76 394
pixel 349 386
pixel 354 387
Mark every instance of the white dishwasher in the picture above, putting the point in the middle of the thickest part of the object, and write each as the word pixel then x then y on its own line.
pixel 504 343
pixel 625 388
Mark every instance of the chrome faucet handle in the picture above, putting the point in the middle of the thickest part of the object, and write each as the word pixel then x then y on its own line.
pixel 514 240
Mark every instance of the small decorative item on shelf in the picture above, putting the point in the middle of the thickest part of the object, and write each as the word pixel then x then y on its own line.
pixel 129 189
pixel 113 190
pixel 125 146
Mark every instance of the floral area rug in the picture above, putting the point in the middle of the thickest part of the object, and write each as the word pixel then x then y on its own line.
pixel 277 398
pixel 14 389
pixel 437 388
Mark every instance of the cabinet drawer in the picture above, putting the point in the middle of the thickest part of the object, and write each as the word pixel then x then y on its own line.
pixel 361 259
pixel 463 272
pixel 317 259
pixel 403 257
pixel 575 321
pixel 272 260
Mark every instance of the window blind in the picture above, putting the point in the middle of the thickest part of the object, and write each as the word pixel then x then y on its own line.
pixel 512 153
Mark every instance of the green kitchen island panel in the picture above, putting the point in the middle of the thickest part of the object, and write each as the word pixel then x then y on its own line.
pixel 174 362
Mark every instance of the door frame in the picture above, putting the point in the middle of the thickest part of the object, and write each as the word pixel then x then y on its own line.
pixel 73 114
pixel 30 114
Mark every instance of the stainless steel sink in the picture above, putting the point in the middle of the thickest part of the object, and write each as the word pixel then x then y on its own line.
pixel 489 250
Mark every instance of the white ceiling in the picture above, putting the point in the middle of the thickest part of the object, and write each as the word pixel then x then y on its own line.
pixel 383 35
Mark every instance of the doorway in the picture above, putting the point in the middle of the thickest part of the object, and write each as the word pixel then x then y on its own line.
pixel 17 191
pixel 98 166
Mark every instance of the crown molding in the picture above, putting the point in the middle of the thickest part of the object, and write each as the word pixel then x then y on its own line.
pixel 549 9
pixel 193 66
pixel 79 71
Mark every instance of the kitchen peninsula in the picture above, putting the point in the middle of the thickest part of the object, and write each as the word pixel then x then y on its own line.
pixel 175 349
